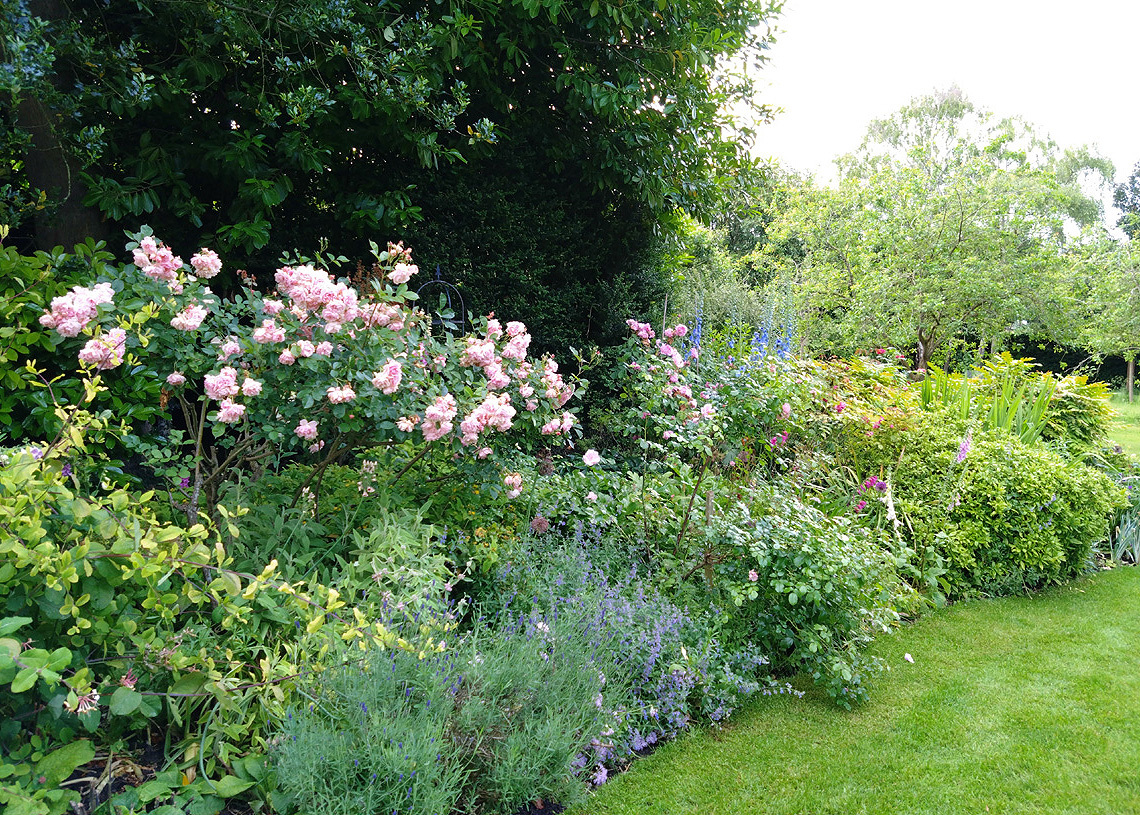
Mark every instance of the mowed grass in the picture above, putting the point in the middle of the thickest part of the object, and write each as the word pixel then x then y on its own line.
pixel 1022 705
pixel 1125 429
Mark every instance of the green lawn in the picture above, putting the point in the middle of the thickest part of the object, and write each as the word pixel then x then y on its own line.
pixel 1023 705
pixel 1126 427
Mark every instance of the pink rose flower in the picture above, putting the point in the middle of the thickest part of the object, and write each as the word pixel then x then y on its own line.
pixel 286 357
pixel 175 379
pixel 268 332
pixel 228 412
pixel 222 385
pixel 402 273
pixel 251 387
pixel 105 351
pixel 70 313
pixel 340 395
pixel 189 318
pixel 306 429
pixel 206 263
pixel 591 458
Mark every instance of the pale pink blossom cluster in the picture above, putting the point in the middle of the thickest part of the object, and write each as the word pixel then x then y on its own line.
pixel 230 412
pixel 387 381
pixel 272 307
pixel 591 458
pixel 407 423
pixel 559 424
pixel 229 347
pixel 676 331
pixel 339 394
pixel 251 387
pixel 313 290
pixel 494 411
pixel 518 344
pixel 206 263
pixel 190 318
pixel 478 353
pixel 70 313
pixel 438 416
pixel 513 483
pixel 682 392
pixel 667 350
pixel 268 332
pixel 223 384
pixel 402 273
pixel 158 262
pixel 556 389
pixel 306 429
pixel 105 351
pixel 497 378
pixel 382 315
pixel 175 378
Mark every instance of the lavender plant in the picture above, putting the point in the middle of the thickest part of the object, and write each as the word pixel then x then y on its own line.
pixel 490 725
pixel 673 656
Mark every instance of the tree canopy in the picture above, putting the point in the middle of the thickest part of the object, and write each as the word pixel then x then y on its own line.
pixel 249 125
pixel 947 223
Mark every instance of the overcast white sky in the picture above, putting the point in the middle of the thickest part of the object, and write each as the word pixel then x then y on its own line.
pixel 1070 68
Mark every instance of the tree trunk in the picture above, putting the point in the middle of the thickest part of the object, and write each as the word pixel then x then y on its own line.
pixel 49 167
pixel 1131 376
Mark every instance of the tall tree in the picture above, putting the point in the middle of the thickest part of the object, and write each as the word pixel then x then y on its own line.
pixel 1126 198
pixel 947 224
pixel 1108 280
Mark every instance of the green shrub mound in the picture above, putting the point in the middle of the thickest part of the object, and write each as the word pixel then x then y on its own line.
pixel 1004 515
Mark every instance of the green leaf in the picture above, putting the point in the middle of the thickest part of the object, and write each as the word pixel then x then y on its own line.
pixel 57 765
pixel 10 624
pixel 24 680
pixel 228 786
pixel 125 701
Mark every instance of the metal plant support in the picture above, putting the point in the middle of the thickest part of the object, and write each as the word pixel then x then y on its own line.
pixel 445 318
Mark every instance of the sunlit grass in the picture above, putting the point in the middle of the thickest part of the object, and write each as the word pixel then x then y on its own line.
pixel 1125 429
pixel 1022 705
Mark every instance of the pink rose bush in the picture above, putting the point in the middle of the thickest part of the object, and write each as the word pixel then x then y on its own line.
pixel 316 359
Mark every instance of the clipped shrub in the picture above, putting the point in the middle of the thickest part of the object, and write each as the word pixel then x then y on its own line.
pixel 1004 515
